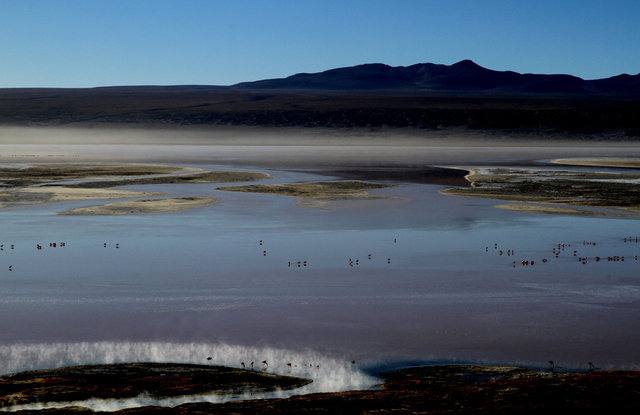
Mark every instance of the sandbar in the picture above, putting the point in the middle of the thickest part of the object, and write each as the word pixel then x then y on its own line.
pixel 34 195
pixel 309 194
pixel 143 206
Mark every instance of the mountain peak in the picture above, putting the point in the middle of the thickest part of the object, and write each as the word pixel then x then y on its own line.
pixel 466 63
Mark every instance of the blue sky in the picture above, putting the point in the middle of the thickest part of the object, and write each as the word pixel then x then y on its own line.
pixel 84 43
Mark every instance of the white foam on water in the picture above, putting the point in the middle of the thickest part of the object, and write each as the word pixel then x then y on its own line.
pixel 328 374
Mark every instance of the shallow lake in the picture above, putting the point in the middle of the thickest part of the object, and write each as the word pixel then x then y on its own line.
pixel 414 277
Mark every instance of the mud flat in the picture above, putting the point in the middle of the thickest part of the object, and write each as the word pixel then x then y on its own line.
pixel 62 193
pixel 600 162
pixel 599 190
pixel 201 177
pixel 316 194
pixel 24 184
pixel 431 389
pixel 29 174
pixel 137 207
pixel 540 208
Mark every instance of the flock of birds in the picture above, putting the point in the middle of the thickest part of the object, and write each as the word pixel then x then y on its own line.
pixel 560 248
pixel 304 263
pixel 556 252
pixel 265 365
pixel 40 247
pixel 291 263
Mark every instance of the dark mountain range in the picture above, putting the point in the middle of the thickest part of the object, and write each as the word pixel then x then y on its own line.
pixel 462 77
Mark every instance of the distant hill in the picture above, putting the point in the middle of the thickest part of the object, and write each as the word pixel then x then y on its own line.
pixel 462 77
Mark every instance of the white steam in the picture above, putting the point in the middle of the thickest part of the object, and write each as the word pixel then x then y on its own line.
pixel 328 374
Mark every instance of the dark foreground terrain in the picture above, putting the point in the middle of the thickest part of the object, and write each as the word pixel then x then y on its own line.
pixel 459 389
pixel 126 380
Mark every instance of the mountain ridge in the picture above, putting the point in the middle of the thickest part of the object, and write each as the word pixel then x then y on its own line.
pixel 463 76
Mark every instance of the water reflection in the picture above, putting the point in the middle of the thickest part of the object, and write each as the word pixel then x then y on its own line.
pixel 424 286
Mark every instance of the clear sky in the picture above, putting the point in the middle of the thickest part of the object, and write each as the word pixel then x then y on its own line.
pixel 84 43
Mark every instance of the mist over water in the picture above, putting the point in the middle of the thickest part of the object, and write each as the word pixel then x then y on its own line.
pixel 328 374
